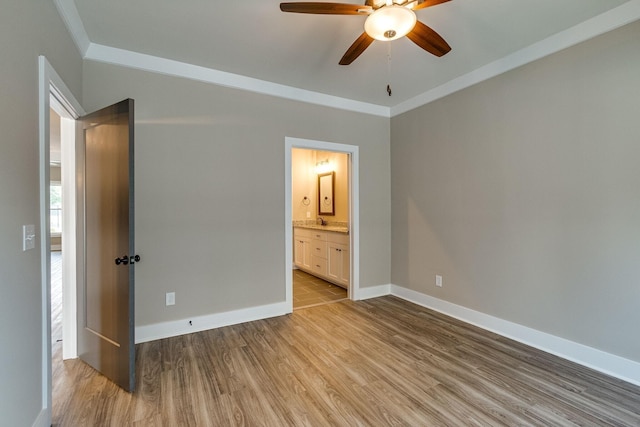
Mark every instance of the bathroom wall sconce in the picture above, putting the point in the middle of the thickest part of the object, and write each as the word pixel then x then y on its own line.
pixel 323 166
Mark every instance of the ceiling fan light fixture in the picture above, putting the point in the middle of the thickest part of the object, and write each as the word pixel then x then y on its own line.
pixel 390 23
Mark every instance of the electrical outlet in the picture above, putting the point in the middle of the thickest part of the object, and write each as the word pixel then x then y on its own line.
pixel 170 298
pixel 308 214
pixel 438 280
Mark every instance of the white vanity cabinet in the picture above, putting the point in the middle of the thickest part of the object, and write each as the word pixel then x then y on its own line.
pixel 325 254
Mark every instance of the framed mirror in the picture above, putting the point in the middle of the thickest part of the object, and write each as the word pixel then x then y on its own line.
pixel 326 204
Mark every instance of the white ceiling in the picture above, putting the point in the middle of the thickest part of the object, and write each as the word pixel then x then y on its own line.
pixel 253 38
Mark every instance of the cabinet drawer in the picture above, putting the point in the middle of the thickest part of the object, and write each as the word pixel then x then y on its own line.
pixel 340 238
pixel 319 235
pixel 319 265
pixel 319 248
pixel 302 232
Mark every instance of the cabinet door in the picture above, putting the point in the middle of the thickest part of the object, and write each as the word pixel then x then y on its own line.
pixel 298 251
pixel 339 264
pixel 302 252
pixel 334 269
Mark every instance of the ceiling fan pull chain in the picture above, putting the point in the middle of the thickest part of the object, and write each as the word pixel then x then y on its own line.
pixel 389 67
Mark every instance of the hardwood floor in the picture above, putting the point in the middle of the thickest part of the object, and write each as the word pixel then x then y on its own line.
pixel 377 362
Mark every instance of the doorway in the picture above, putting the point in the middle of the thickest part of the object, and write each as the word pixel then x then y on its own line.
pixel 54 95
pixel 320 202
pixel 56 213
pixel 62 224
pixel 351 265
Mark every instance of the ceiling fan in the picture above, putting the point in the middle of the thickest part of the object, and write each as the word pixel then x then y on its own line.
pixel 386 20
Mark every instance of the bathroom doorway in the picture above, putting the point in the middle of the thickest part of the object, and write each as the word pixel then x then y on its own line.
pixel 320 215
pixel 321 222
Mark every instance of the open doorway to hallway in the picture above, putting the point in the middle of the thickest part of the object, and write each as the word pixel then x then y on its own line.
pixel 62 236
pixel 61 247
pixel 55 230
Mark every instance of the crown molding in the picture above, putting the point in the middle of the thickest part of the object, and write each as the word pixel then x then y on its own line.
pixel 69 14
pixel 607 21
pixel 140 61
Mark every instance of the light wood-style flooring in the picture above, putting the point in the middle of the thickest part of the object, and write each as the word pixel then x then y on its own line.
pixel 309 291
pixel 377 362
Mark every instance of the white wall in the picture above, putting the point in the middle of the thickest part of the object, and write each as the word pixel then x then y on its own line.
pixel 27 29
pixel 210 189
pixel 523 192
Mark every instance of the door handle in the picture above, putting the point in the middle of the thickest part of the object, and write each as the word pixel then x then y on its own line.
pixel 125 259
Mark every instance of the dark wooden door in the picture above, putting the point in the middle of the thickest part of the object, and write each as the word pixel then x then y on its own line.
pixel 106 309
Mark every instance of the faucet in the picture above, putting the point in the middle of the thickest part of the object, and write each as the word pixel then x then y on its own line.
pixel 321 221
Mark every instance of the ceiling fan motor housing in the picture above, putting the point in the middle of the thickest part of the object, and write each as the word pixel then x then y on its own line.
pixel 390 22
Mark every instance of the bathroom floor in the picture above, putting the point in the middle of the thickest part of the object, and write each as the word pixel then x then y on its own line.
pixel 309 291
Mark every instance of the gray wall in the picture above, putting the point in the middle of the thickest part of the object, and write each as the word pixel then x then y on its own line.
pixel 210 189
pixel 27 29
pixel 524 193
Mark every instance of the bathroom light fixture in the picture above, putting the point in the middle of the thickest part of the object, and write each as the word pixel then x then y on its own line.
pixel 323 166
pixel 390 22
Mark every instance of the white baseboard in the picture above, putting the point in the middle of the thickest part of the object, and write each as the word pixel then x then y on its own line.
pixel 202 323
pixel 590 357
pixel 373 292
pixel 43 419
pixel 175 328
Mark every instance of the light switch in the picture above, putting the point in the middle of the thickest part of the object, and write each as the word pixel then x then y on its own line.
pixel 28 237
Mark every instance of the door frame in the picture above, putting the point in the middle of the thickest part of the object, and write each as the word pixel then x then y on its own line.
pixel 50 85
pixel 354 211
pixel 69 214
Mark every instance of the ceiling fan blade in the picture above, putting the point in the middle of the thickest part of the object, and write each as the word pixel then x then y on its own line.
pixel 326 8
pixel 356 49
pixel 427 3
pixel 428 39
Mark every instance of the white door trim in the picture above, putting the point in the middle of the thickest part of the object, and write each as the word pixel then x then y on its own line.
pixel 354 211
pixel 49 84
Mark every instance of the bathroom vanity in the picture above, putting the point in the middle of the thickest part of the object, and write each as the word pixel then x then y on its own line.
pixel 324 251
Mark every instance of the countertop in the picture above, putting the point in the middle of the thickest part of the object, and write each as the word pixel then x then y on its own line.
pixel 334 228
